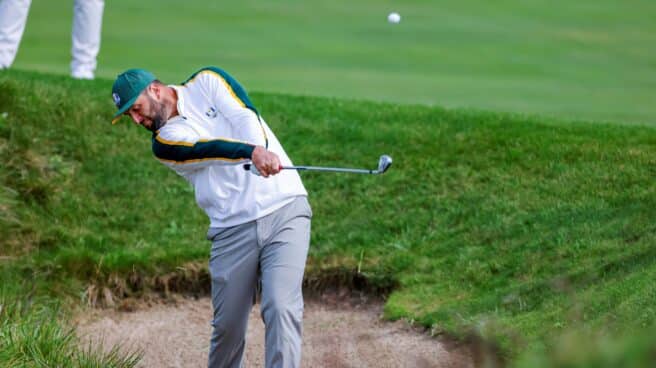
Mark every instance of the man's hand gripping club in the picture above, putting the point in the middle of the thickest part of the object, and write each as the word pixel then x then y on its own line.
pixel 265 162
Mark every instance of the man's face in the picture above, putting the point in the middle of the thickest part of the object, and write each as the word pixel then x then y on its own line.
pixel 147 111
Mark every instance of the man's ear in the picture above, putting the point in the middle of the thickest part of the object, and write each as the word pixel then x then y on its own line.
pixel 155 90
pixel 158 91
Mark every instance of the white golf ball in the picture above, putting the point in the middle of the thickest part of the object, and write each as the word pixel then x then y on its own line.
pixel 394 17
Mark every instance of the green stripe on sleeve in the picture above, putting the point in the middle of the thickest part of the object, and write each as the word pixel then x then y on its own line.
pixel 217 149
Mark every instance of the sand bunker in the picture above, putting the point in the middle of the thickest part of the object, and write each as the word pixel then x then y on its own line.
pixel 334 335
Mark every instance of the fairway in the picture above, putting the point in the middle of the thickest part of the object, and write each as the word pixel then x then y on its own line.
pixel 574 60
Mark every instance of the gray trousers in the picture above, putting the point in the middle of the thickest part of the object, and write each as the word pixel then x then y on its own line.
pixel 273 248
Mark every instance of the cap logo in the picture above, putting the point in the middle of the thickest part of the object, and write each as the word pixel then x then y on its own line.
pixel 117 99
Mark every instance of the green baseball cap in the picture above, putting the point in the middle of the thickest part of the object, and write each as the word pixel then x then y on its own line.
pixel 127 87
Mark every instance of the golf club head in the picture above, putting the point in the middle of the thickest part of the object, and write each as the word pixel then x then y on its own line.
pixel 384 163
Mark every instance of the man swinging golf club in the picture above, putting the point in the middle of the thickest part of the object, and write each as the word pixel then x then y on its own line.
pixel 205 130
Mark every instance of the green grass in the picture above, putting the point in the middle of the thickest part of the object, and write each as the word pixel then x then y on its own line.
pixel 590 349
pixel 587 60
pixel 518 228
pixel 34 331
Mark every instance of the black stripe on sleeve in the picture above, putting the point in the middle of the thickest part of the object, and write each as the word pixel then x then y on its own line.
pixel 216 149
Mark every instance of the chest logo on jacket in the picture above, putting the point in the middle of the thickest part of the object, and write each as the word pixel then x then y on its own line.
pixel 211 113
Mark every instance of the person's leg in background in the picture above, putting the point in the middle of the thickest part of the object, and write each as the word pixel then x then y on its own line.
pixel 13 16
pixel 87 25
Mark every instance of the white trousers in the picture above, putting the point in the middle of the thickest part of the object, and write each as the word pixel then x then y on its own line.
pixel 87 23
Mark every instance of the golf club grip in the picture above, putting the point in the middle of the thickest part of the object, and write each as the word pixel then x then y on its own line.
pixel 253 169
pixel 247 167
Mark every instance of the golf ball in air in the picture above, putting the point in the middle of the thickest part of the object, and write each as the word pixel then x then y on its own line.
pixel 394 17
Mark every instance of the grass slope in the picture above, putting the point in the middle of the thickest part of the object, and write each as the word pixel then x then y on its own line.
pixel 589 60
pixel 517 227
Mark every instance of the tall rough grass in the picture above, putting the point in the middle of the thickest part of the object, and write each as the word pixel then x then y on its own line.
pixel 33 333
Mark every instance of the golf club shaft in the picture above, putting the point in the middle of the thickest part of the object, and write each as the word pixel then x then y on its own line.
pixel 333 169
pixel 319 168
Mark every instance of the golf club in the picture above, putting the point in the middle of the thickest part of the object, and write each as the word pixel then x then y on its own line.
pixel 384 163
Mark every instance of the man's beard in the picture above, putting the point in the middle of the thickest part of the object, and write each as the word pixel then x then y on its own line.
pixel 159 115
pixel 158 122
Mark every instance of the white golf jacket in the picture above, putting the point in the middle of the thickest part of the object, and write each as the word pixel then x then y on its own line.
pixel 209 141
